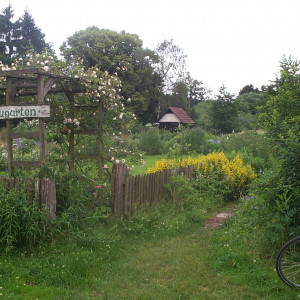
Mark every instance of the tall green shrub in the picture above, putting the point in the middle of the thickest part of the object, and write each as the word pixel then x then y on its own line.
pixel 281 118
pixel 196 138
pixel 151 142
pixel 21 223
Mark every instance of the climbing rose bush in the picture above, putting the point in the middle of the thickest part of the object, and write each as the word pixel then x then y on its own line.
pixel 95 87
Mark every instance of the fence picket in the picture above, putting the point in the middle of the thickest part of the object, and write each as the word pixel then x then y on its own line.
pixel 42 191
pixel 141 191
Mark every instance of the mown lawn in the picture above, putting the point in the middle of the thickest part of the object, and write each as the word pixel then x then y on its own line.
pixel 149 161
pixel 164 253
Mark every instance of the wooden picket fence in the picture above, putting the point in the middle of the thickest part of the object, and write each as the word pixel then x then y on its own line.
pixel 42 190
pixel 130 193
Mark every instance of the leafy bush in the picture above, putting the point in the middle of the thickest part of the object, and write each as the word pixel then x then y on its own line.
pixel 196 138
pixel 181 191
pixel 21 223
pixel 282 200
pixel 235 176
pixel 151 142
pixel 254 148
pixel 76 191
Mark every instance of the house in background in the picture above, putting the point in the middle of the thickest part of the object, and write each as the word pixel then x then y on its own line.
pixel 173 117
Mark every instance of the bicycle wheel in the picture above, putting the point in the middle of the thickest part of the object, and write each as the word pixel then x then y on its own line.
pixel 288 263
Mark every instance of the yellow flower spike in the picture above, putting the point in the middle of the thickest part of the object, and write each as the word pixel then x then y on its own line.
pixel 234 172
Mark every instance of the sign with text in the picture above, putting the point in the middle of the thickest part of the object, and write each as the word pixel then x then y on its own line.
pixel 24 111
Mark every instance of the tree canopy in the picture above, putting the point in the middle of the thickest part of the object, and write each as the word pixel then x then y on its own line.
pixel 120 53
pixel 17 37
pixel 224 111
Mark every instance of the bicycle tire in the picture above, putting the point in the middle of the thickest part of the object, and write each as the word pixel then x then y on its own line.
pixel 288 263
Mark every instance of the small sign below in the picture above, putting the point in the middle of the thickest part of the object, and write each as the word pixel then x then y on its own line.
pixel 24 111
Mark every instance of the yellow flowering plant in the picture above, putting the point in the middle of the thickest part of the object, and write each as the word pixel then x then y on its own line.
pixel 233 173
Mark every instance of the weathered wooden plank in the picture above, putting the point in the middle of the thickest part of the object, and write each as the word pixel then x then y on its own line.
pixel 23 112
pixel 9 100
pixel 118 179
pixel 152 188
pixel 23 163
pixel 47 86
pixel 135 199
pixel 31 190
pixel 126 196
pixel 142 188
pixel 130 195
pixel 13 73
pixel 86 131
pixel 146 190
pixel 100 139
pixel 11 182
pixel 25 135
pixel 48 196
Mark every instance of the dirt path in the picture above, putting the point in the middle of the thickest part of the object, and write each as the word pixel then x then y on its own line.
pixel 218 219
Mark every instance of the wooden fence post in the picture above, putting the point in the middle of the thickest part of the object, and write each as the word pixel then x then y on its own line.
pixel 48 196
pixel 117 187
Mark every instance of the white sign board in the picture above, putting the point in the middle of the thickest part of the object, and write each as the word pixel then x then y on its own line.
pixel 24 111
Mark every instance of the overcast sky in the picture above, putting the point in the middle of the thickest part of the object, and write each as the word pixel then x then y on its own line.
pixel 230 42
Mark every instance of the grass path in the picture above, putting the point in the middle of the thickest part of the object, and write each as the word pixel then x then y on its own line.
pixel 142 259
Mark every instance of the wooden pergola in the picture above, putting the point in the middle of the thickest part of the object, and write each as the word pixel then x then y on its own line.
pixel 37 84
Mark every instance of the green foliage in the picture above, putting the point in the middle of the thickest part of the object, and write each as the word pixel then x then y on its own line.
pixel 245 121
pixel 224 112
pixel 187 141
pixel 17 37
pixel 253 147
pixel 249 88
pixel 151 142
pixel 281 116
pixel 197 139
pixel 248 102
pixel 75 191
pixel 213 188
pixel 180 190
pixel 121 54
pixel 22 224
pixel 203 114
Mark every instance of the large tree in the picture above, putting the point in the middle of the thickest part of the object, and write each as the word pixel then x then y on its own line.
pixel 17 37
pixel 281 119
pixel 30 36
pixel 120 53
pixel 248 102
pixel 7 35
pixel 171 66
pixel 249 88
pixel 197 92
pixel 224 112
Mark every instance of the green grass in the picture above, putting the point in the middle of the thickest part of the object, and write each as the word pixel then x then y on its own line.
pixel 162 253
pixel 149 162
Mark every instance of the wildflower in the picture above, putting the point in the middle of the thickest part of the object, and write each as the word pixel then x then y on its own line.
pixel 97 187
pixel 105 166
pixel 19 144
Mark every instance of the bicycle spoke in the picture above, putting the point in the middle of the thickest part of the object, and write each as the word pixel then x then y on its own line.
pixel 288 262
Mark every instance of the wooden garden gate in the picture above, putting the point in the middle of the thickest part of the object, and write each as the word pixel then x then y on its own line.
pixel 36 83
